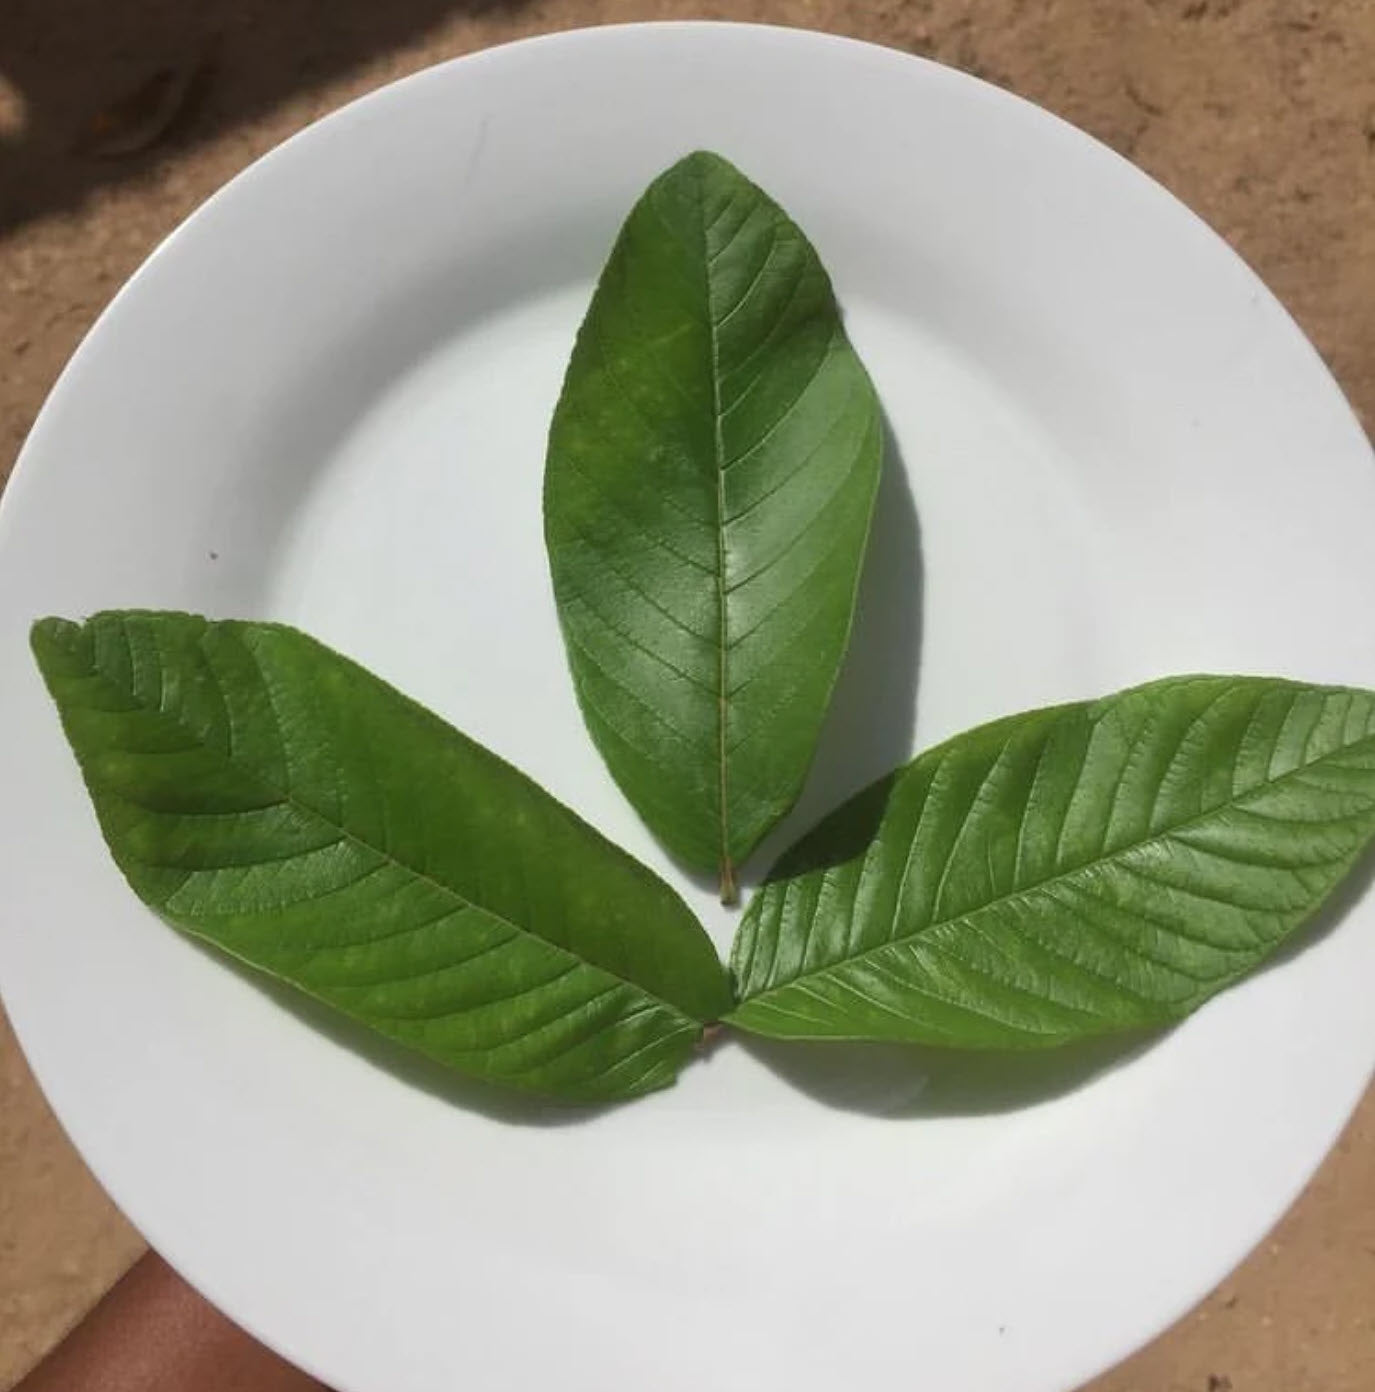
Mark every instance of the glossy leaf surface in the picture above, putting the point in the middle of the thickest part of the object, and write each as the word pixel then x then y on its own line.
pixel 268 795
pixel 1066 872
pixel 710 478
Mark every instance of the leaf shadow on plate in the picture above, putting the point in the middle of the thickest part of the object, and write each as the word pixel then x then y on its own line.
pixel 869 730
pixel 909 1081
pixel 414 1069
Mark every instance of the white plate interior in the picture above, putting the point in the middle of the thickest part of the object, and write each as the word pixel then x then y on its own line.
pixel 325 401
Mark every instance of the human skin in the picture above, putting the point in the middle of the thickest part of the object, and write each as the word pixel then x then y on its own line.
pixel 153 1333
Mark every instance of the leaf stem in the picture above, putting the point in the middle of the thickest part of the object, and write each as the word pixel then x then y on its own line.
pixel 730 891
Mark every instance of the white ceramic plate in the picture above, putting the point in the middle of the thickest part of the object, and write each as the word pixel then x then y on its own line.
pixel 324 400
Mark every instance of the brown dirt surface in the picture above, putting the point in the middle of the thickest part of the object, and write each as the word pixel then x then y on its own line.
pixel 116 120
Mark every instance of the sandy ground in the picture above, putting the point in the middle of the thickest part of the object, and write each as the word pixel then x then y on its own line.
pixel 1258 113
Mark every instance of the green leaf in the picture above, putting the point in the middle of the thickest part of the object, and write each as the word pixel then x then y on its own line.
pixel 1066 872
pixel 272 797
pixel 710 478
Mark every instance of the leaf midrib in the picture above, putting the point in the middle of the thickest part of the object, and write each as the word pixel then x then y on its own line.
pixel 728 891
pixel 292 798
pixel 1041 886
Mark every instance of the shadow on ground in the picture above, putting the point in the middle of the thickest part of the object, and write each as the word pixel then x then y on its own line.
pixel 96 92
